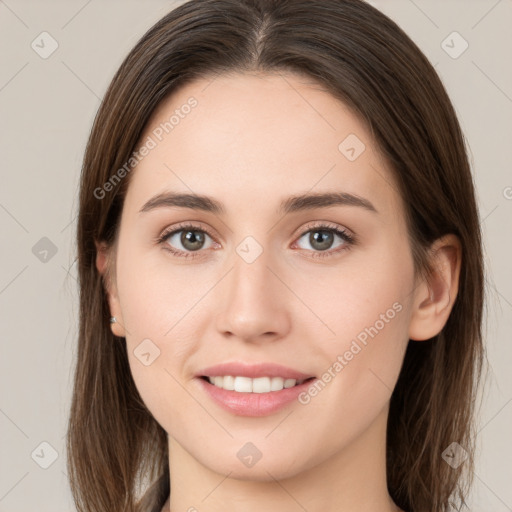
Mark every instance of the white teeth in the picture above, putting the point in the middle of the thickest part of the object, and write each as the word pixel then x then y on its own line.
pixel 248 385
pixel 242 384
pixel 228 382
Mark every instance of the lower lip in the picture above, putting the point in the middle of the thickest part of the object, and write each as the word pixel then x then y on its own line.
pixel 253 404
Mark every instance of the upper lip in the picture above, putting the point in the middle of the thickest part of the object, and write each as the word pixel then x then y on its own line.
pixel 252 370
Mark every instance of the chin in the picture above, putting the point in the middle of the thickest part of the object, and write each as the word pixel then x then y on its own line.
pixel 266 469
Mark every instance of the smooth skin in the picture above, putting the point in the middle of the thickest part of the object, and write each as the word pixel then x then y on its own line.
pixel 252 141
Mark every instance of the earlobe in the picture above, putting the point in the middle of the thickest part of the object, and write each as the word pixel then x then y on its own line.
pixel 434 298
pixel 103 253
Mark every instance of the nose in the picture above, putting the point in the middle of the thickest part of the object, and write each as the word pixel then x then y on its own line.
pixel 255 304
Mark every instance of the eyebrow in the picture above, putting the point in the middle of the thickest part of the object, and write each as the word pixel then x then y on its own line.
pixel 292 204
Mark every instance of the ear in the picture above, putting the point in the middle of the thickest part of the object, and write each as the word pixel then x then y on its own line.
pixel 103 253
pixel 434 299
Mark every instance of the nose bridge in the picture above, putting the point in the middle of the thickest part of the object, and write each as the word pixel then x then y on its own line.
pixel 254 304
pixel 251 277
pixel 252 283
pixel 251 280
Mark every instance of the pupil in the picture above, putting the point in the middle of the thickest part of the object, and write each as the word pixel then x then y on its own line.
pixel 323 239
pixel 191 240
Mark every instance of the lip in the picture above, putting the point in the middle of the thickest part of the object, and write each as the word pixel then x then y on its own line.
pixel 253 371
pixel 253 404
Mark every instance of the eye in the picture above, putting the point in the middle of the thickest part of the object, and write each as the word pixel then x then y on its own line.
pixel 188 240
pixel 191 238
pixel 322 237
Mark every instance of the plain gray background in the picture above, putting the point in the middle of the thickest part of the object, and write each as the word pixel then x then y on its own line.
pixel 47 106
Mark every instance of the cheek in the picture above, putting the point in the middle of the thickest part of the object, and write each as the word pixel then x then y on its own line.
pixel 363 365
pixel 368 312
pixel 153 311
pixel 363 299
pixel 155 294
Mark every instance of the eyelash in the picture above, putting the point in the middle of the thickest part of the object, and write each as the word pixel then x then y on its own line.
pixel 349 240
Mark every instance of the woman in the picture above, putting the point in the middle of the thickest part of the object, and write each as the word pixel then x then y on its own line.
pixel 280 269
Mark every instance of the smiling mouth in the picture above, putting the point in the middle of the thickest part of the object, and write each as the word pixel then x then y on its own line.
pixel 257 385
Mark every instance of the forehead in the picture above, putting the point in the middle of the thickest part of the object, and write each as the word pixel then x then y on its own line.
pixel 244 137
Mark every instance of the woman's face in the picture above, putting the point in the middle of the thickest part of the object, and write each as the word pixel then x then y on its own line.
pixel 263 278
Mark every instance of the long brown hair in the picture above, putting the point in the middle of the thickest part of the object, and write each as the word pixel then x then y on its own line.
pixel 115 446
